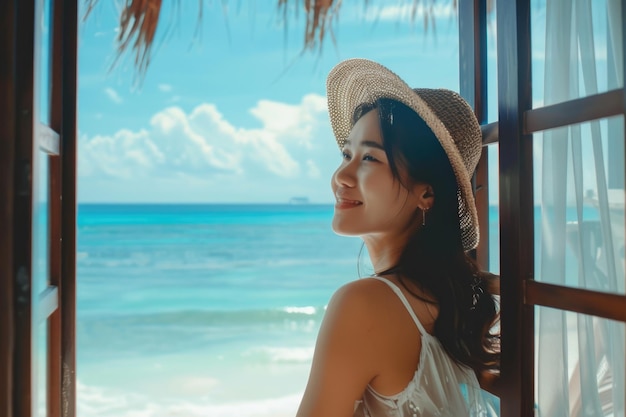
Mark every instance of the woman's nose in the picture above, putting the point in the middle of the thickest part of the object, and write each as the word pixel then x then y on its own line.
pixel 344 175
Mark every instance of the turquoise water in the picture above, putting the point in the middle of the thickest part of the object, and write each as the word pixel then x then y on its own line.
pixel 205 310
pixel 202 310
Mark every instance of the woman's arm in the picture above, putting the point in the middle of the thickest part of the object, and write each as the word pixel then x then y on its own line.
pixel 345 359
pixel 490 382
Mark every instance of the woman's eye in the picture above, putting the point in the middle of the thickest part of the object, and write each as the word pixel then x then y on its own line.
pixel 345 155
pixel 369 158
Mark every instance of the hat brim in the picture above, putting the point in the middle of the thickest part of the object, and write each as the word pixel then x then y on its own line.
pixel 357 81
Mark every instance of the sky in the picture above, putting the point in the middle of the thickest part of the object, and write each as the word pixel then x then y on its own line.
pixel 233 110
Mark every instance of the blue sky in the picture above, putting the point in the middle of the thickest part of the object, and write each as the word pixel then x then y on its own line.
pixel 238 113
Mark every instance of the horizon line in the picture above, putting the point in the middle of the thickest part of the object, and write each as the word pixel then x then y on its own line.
pixel 310 203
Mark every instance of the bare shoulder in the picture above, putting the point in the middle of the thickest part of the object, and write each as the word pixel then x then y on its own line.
pixel 353 323
pixel 363 293
pixel 347 353
pixel 364 300
pixel 364 287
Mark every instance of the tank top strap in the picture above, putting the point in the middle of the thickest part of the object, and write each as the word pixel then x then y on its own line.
pixel 402 298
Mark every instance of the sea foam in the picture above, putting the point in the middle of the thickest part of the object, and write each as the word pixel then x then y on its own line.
pixel 98 402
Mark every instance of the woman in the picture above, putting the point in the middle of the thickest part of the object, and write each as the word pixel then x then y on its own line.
pixel 411 339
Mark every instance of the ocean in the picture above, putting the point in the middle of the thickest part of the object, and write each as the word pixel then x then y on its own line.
pixel 204 310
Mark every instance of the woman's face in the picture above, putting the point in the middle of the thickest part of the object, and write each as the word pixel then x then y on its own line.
pixel 369 200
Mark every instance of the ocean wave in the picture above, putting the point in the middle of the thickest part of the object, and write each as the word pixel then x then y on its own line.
pixel 170 262
pixel 282 355
pixel 99 402
pixel 205 318
pixel 132 336
pixel 308 310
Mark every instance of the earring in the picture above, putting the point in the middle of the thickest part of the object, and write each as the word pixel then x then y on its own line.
pixel 424 210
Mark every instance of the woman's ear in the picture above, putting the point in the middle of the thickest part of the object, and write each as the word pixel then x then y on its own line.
pixel 425 196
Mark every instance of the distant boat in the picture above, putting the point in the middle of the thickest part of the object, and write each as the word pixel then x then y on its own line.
pixel 299 200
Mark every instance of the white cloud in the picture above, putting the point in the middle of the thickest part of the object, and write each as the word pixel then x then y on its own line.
pixel 166 88
pixel 290 153
pixel 123 155
pixel 407 11
pixel 113 95
pixel 312 170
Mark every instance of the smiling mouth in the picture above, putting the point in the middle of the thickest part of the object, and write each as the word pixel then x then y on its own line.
pixel 343 203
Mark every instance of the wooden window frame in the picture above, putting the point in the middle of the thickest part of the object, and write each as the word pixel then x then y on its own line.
pixel 517 121
pixel 473 88
pixel 22 138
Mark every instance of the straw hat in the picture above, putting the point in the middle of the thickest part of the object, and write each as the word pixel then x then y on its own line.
pixel 452 120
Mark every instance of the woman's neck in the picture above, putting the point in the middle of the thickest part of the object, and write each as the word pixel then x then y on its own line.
pixel 384 253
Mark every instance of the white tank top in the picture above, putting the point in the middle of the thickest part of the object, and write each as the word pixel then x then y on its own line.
pixel 440 386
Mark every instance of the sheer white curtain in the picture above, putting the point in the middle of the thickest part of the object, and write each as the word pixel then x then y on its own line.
pixel 580 359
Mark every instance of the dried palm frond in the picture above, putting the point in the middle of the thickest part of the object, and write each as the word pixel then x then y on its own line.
pixel 319 14
pixel 138 25
pixel 139 20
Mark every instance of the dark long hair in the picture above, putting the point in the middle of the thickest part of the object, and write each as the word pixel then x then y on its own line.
pixel 434 258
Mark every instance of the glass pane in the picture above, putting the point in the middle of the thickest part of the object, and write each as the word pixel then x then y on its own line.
pixel 576 49
pixel 494 207
pixel 579 212
pixel 579 366
pixel 492 152
pixel 44 35
pixel 41 369
pixel 41 238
